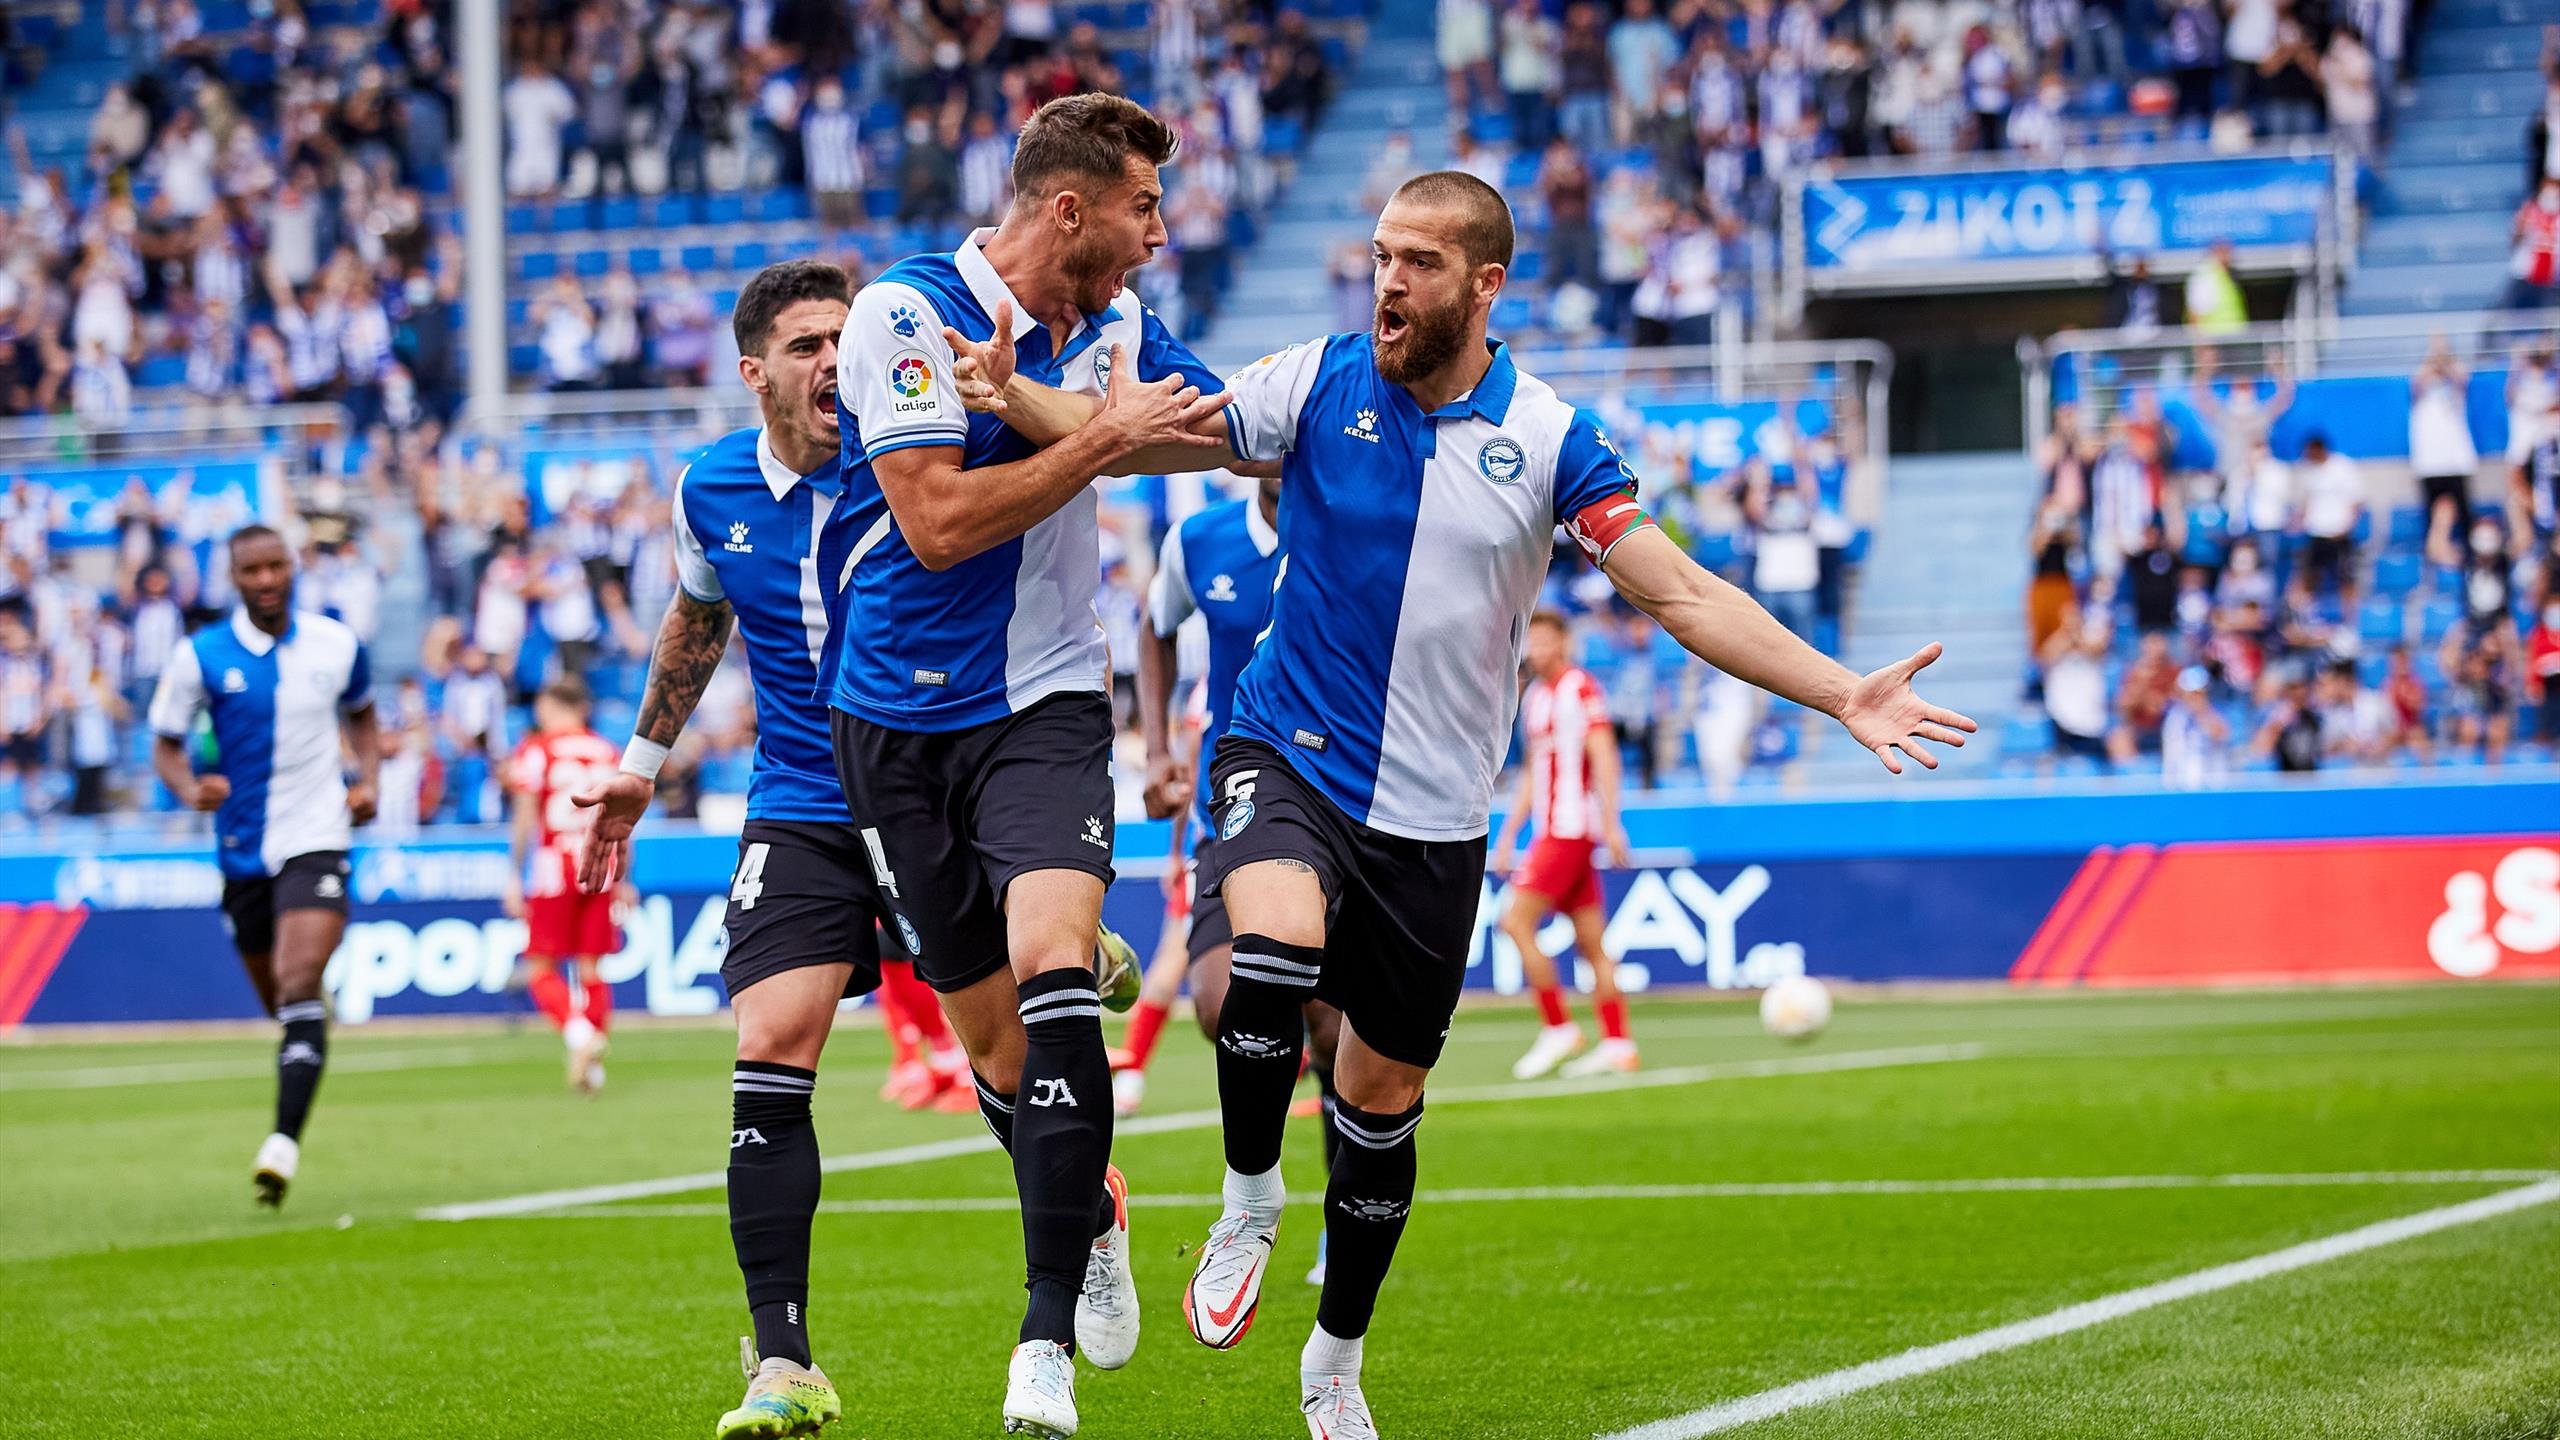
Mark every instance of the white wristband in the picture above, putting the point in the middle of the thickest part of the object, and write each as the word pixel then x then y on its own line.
pixel 642 758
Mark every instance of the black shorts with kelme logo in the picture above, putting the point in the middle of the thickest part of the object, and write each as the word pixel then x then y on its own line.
pixel 316 881
pixel 948 819
pixel 802 895
pixel 1401 914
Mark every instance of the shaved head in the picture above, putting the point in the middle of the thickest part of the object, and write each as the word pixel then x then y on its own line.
pixel 1484 219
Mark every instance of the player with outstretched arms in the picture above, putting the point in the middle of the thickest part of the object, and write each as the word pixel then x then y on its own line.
pixel 1424 476
pixel 564 924
pixel 1569 788
pixel 286 689
pixel 971 706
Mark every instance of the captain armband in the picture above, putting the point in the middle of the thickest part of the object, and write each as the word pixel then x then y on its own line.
pixel 1599 526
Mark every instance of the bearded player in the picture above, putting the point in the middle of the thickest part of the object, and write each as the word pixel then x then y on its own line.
pixel 1569 787
pixel 1425 476
pixel 564 925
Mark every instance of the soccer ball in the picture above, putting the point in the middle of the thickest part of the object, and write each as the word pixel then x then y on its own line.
pixel 1795 1008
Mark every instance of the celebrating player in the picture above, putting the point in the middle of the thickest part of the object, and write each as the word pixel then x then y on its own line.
pixel 1569 786
pixel 284 689
pixel 556 763
pixel 1425 478
pixel 971 707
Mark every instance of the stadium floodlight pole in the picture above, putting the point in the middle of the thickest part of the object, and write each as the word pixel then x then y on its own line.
pixel 484 240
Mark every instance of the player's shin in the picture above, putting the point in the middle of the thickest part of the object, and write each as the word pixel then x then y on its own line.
pixel 773 1193
pixel 1365 1205
pixel 1061 1142
pixel 1261 1026
pixel 301 1053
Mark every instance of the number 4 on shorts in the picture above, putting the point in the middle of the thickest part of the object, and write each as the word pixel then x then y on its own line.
pixel 748 887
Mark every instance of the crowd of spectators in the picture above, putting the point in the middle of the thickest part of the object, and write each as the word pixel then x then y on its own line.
pixel 1655 136
pixel 2266 610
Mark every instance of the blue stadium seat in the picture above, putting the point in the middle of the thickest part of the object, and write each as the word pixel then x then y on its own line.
pixel 698 258
pixel 725 208
pixel 666 212
pixel 2372 668
pixel 802 248
pixel 880 201
pixel 1528 265
pixel 1511 312
pixel 1283 135
pixel 591 264
pixel 618 212
pixel 647 260
pixel 2364 528
pixel 2397 573
pixel 2378 619
pixel 773 206
pixel 538 265
pixel 748 255
pixel 524 359
pixel 2440 615
pixel 2408 525
pixel 524 220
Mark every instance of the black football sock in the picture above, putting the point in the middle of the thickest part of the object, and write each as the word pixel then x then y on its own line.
pixel 300 1057
pixel 996 1108
pixel 1061 1142
pixel 773 1193
pixel 1365 1204
pixel 1261 1028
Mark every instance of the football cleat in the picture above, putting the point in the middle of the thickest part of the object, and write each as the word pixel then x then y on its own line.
pixel 782 1399
pixel 1227 1287
pixel 1116 972
pixel 589 1061
pixel 1040 1391
pixel 1128 1092
pixel 1107 1311
pixel 1609 1057
pixel 277 1157
pixel 1336 1410
pixel 911 1086
pixel 1555 1045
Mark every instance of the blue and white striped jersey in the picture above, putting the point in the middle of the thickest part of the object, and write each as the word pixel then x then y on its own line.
pixel 747 531
pixel 1413 548
pixel 276 703
pixel 997 633
pixel 1218 565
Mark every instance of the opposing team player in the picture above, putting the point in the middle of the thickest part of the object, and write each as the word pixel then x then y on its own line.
pixel 290 695
pixel 564 924
pixel 751 524
pixel 1569 788
pixel 971 710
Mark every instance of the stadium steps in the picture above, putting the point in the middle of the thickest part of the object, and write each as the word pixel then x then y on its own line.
pixel 1949 563
pixel 2437 236
pixel 1283 296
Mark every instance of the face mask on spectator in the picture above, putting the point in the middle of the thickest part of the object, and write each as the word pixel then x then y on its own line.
pixel 2484 540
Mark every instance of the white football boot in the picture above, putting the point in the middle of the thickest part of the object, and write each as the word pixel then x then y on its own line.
pixel 1040 1391
pixel 1226 1288
pixel 277 1157
pixel 1555 1045
pixel 1609 1057
pixel 1336 1410
pixel 1107 1311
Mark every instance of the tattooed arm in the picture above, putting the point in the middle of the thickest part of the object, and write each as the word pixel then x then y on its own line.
pixel 690 639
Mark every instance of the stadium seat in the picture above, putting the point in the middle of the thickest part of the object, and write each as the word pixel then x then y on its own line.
pixel 2408 525
pixel 618 212
pixel 2397 573
pixel 748 255
pixel 2440 616
pixel 2378 619
pixel 666 212
pixel 698 258
pixel 524 220
pixel 647 260
pixel 2372 668
pixel 775 206
pixel 591 264
pixel 538 265
pixel 725 208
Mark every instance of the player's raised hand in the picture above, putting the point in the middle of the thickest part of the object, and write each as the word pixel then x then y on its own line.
pixel 1168 786
pixel 604 852
pixel 1888 716
pixel 1152 413
pixel 982 368
pixel 211 791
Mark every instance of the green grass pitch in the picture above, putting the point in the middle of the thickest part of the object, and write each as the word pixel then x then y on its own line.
pixel 144 1296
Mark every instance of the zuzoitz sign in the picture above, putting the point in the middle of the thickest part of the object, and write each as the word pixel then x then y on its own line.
pixel 2027 226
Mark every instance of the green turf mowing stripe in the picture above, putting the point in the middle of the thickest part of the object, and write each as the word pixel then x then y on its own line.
pixel 1928 1359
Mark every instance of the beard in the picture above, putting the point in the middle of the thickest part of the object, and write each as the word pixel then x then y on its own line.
pixel 1091 279
pixel 1431 339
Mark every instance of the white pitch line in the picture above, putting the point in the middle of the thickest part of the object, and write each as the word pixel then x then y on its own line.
pixel 1928 1359
pixel 1206 1119
pixel 176 1072
pixel 1727 1190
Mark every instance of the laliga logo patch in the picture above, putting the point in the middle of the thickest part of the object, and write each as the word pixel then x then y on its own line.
pixel 905 322
pixel 1501 460
pixel 1239 815
pixel 907 933
pixel 910 376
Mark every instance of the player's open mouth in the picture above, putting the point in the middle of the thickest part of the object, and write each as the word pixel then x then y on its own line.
pixel 826 404
pixel 1391 325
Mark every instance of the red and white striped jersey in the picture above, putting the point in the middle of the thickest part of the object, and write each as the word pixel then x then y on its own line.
pixel 1561 717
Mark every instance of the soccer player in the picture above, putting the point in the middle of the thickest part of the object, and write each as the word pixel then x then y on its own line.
pixel 972 718
pixel 290 695
pixel 1569 785
pixel 1425 477
pixel 559 761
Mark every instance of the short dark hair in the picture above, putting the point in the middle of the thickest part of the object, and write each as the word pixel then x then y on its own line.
pixel 1485 224
pixel 1088 137
pixel 247 533
pixel 568 690
pixel 1544 616
pixel 777 288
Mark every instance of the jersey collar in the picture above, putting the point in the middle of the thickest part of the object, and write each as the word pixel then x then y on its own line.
pixel 1265 539
pixel 1491 399
pixel 255 640
pixel 778 477
pixel 986 286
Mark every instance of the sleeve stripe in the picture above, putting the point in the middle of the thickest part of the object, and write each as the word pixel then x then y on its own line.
pixel 911 441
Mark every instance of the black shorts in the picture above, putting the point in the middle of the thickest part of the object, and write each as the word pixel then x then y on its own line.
pixel 1210 928
pixel 952 817
pixel 2326 559
pixel 1401 914
pixel 801 896
pixel 316 881
pixel 2456 488
pixel 24 751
